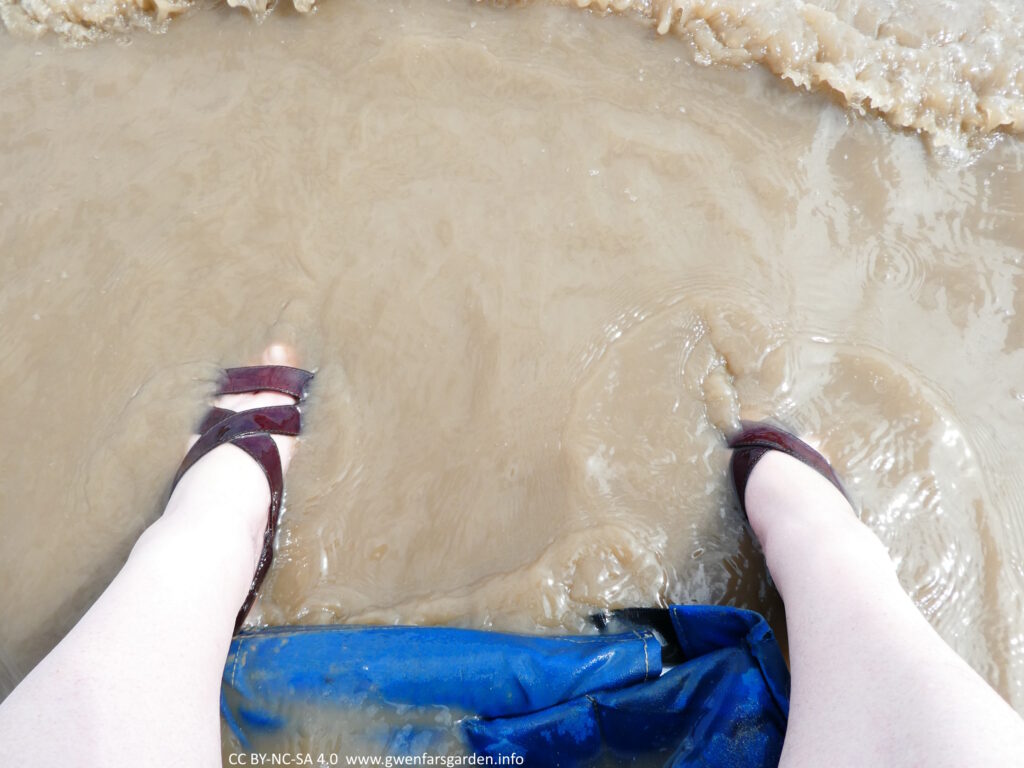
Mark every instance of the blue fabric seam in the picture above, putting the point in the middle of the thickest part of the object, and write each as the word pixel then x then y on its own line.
pixel 756 653
pixel 645 637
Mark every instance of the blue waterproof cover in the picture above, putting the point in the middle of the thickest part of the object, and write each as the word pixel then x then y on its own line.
pixel 562 701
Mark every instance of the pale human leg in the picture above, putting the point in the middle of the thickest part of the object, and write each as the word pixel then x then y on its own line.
pixel 137 681
pixel 873 683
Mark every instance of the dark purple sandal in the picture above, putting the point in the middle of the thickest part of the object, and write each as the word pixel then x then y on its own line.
pixel 755 439
pixel 251 431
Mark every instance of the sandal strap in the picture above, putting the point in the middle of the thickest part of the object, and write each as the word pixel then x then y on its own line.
pixel 214 416
pixel 264 451
pixel 251 431
pixel 274 419
pixel 257 378
pixel 756 439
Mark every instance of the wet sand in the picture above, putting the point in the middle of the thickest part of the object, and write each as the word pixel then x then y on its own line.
pixel 543 262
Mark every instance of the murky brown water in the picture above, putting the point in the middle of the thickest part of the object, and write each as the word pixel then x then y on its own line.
pixel 953 72
pixel 543 261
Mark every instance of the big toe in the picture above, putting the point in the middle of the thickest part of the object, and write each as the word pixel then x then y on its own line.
pixel 280 354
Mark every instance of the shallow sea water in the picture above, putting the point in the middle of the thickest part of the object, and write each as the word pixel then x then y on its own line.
pixel 543 261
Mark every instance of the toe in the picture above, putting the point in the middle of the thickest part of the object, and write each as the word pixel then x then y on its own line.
pixel 280 354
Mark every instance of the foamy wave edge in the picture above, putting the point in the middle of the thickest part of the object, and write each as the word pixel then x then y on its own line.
pixel 910 65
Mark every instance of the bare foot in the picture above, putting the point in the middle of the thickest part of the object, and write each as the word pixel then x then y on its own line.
pixel 226 489
pixel 807 527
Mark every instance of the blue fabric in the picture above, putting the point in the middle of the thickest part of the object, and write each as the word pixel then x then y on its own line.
pixel 554 700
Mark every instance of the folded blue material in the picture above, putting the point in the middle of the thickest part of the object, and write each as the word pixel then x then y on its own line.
pixel 562 701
